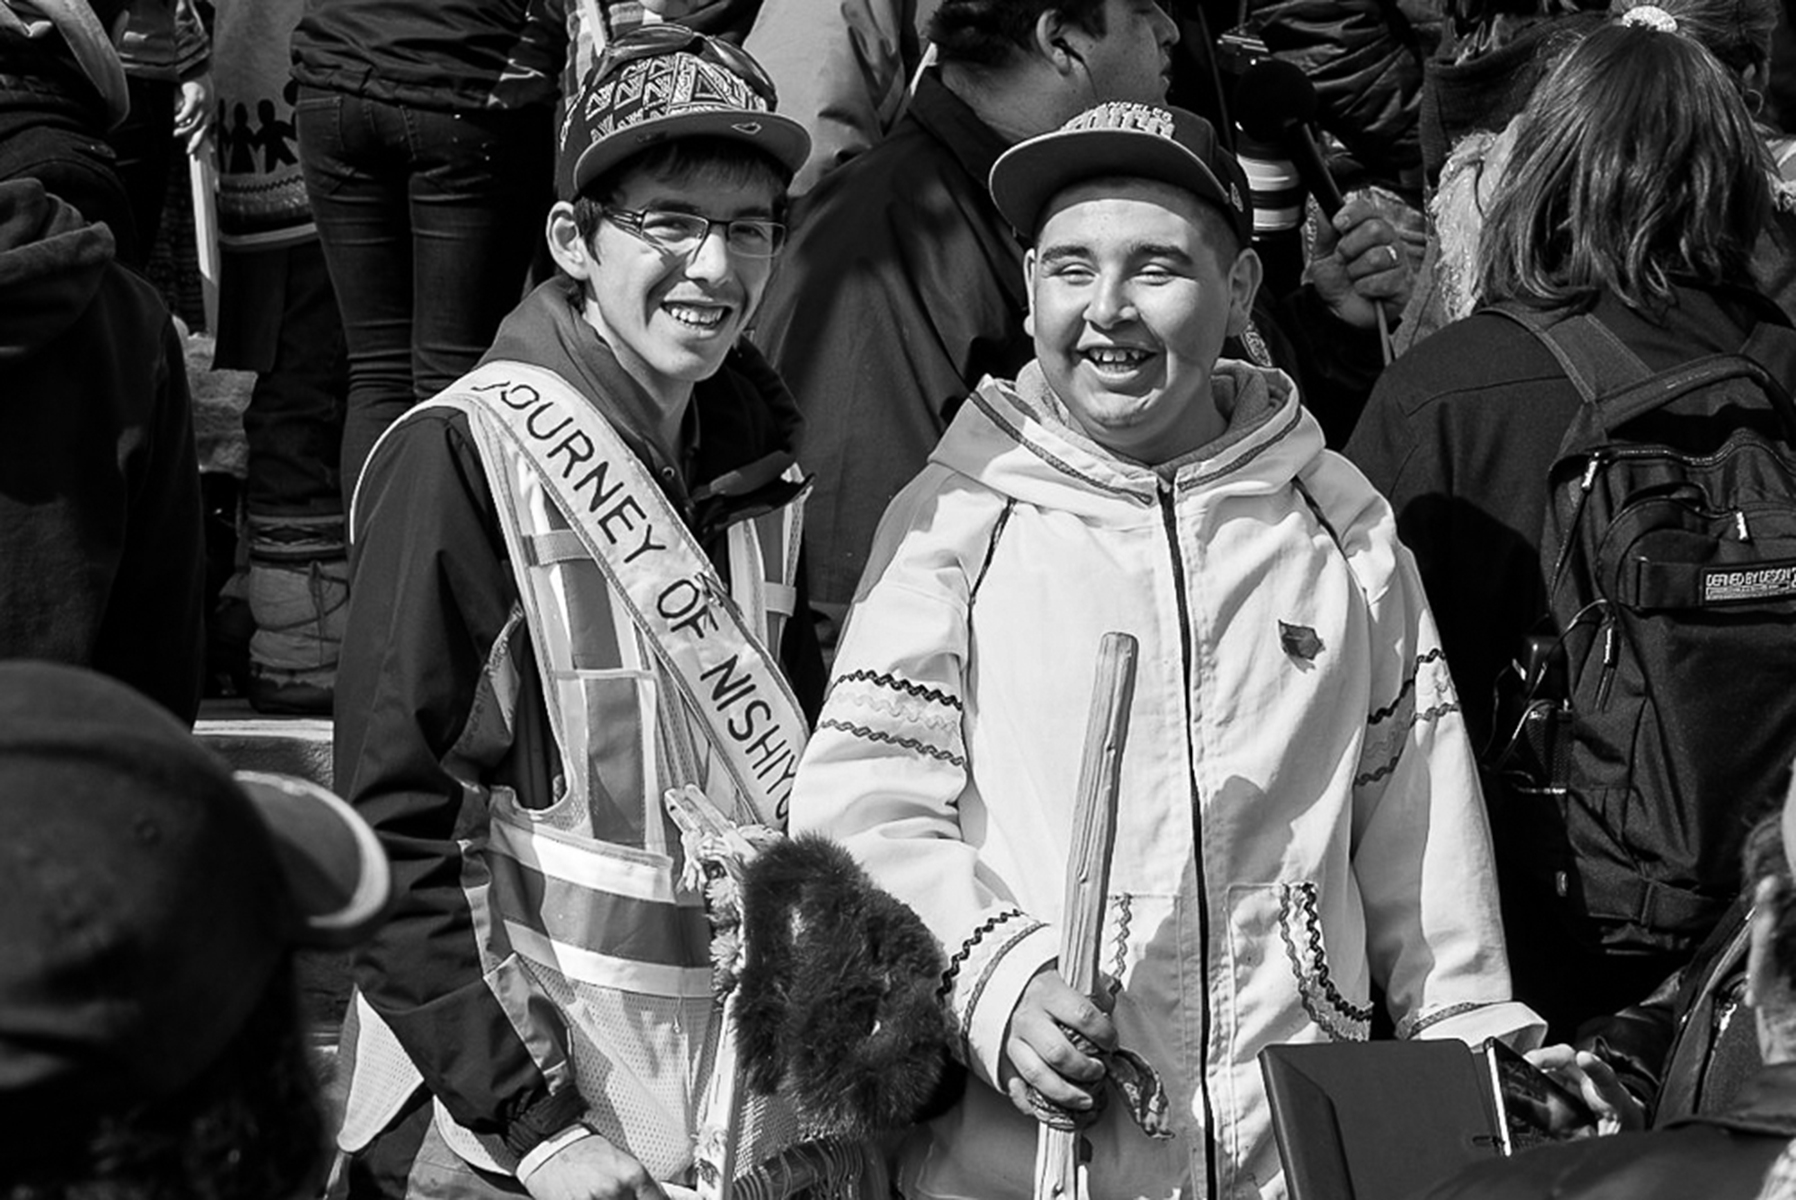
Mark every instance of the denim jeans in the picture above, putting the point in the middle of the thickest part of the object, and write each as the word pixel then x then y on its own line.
pixel 294 423
pixel 429 222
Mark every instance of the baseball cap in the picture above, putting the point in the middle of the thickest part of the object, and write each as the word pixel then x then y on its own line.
pixel 667 81
pixel 147 896
pixel 1120 138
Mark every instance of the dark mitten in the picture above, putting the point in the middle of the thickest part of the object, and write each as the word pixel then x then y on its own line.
pixel 837 1009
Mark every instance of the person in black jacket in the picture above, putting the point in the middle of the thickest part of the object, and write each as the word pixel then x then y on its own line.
pixel 1636 194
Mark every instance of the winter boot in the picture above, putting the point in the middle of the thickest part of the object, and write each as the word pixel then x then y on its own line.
pixel 299 596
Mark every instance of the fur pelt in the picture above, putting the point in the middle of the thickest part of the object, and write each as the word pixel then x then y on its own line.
pixel 837 1007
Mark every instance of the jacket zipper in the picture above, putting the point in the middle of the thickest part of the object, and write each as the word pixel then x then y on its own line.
pixel 1170 520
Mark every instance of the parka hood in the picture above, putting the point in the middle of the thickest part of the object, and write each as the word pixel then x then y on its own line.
pixel 51 264
pixel 1018 439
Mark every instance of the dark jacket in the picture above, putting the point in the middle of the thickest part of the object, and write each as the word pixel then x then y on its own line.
pixel 901 289
pixel 102 557
pixel 1366 65
pixel 446 55
pixel 1689 1046
pixel 1459 433
pixel 1723 1156
pixel 431 592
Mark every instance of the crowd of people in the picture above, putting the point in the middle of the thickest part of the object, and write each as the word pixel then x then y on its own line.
pixel 681 425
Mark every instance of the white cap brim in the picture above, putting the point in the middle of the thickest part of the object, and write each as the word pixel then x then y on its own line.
pixel 335 868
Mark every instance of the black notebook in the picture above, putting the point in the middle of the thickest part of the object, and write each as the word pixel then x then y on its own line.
pixel 1379 1120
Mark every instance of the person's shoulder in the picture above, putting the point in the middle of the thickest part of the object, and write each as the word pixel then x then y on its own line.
pixel 1481 352
pixel 1458 371
pixel 427 452
pixel 888 186
pixel 939 490
pixel 936 531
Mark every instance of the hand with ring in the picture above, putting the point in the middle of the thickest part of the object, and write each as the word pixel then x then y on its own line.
pixel 1360 261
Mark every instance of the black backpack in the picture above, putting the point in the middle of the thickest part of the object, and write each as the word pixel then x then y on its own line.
pixel 1657 710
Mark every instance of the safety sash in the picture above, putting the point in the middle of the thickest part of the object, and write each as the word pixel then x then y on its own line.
pixel 655 568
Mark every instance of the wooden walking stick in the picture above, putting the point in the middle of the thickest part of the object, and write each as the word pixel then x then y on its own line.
pixel 1058 1172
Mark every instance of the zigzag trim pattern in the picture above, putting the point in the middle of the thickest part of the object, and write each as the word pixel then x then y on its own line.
pixel 1409 1027
pixel 1409 684
pixel 918 690
pixel 1433 714
pixel 879 735
pixel 1123 905
pixel 899 710
pixel 991 968
pixel 967 947
pixel 1358 1020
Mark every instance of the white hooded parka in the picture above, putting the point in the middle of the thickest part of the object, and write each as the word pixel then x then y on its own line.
pixel 1300 817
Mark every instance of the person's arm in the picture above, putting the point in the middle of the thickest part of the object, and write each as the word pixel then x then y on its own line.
pixel 884 775
pixel 1421 843
pixel 432 602
pixel 193 72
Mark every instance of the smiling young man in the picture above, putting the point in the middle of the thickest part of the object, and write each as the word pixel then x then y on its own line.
pixel 572 573
pixel 1300 826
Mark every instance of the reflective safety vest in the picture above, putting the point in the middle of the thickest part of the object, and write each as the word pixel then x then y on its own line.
pixel 654 675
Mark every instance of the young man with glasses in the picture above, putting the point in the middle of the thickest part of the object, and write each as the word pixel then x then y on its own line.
pixel 572 577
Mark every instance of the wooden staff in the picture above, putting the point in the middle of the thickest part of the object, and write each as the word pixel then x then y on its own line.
pixel 1058 1172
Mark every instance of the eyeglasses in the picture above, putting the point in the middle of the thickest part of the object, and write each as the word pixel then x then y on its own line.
pixel 682 233
pixel 648 41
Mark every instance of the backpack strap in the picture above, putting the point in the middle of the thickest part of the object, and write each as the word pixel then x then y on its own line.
pixel 1592 357
pixel 1773 347
pixel 1600 365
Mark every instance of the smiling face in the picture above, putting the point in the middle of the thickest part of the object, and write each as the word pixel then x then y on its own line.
pixel 1132 59
pixel 1133 285
pixel 671 318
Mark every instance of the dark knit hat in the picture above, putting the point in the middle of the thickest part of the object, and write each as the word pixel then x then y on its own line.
pixel 147 896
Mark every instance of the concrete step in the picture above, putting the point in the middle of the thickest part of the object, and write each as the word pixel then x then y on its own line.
pixel 250 741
